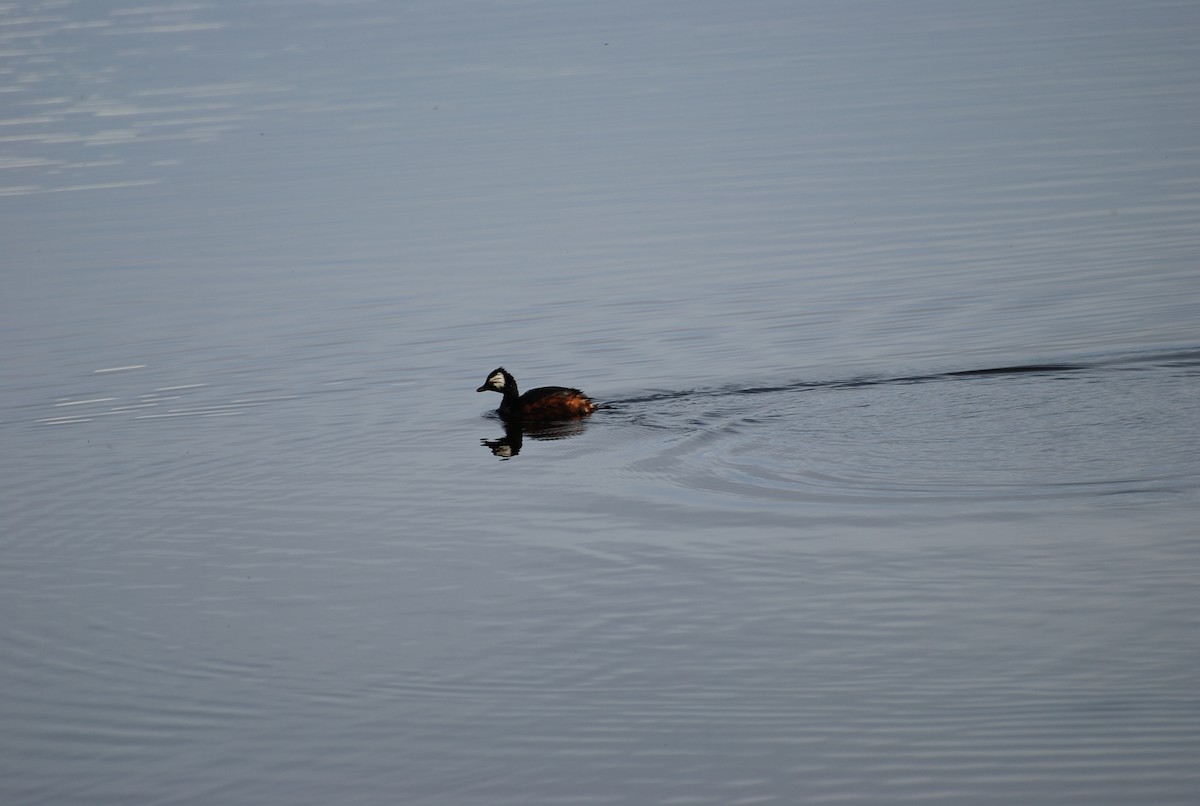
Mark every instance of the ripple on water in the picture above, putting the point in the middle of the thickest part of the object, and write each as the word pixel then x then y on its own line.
pixel 1006 434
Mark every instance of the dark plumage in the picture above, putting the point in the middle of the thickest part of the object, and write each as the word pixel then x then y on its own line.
pixel 544 404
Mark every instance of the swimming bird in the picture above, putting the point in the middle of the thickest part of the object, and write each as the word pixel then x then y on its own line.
pixel 541 405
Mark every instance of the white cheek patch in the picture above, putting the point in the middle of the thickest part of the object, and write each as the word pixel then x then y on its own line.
pixel 496 380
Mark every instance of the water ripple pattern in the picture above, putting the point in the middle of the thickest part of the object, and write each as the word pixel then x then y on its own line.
pixel 1057 430
pixel 895 306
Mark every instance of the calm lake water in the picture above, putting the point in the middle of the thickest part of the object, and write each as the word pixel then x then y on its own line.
pixel 895 307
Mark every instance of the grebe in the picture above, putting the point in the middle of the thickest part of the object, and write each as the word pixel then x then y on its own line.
pixel 544 404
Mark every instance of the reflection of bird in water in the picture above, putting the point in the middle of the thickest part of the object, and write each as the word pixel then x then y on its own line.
pixel 542 405
pixel 510 444
pixel 507 446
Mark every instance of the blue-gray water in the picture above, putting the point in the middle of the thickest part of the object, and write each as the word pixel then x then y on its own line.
pixel 895 306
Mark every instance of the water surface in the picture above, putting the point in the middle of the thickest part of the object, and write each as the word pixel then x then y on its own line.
pixel 893 307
